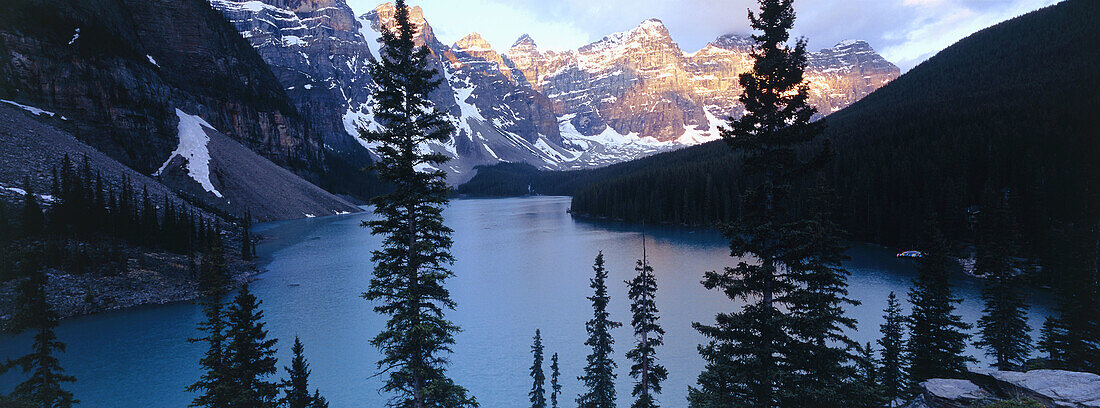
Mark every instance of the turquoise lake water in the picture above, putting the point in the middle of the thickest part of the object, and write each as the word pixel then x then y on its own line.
pixel 521 264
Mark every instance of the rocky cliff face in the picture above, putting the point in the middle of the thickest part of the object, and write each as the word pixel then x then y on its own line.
pixel 119 69
pixel 496 119
pixel 640 82
pixel 316 50
pixel 628 95
pixel 846 73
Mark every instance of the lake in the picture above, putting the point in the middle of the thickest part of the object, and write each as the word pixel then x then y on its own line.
pixel 521 264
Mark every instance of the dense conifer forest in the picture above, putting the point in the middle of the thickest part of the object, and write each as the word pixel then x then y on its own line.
pixel 88 222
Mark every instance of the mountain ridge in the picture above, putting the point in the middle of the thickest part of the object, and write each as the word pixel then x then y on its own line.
pixel 506 108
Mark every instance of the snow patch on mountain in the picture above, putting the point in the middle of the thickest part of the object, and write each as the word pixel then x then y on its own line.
pixel 193 148
pixel 28 108
pixel 360 118
pixel 21 192
pixel 693 135
pixel 372 36
pixel 607 147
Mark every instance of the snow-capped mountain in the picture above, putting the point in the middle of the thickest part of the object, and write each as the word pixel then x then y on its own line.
pixel 628 95
pixel 640 82
pixel 316 51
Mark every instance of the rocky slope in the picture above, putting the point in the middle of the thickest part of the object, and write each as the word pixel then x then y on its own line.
pixel 316 52
pixel 120 72
pixel 119 69
pixel 207 162
pixel 32 143
pixel 628 95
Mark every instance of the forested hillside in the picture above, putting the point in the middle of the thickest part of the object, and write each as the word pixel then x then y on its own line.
pixel 1001 110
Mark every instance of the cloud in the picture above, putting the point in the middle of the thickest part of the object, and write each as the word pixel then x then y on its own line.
pixel 906 32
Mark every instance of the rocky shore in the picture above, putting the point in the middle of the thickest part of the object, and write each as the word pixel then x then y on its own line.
pixel 981 387
pixel 149 278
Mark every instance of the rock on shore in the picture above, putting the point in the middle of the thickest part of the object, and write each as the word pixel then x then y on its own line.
pixel 1051 388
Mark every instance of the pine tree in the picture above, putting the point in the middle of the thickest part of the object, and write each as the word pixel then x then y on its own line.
pixel 555 386
pixel 318 400
pixel 892 373
pixel 599 372
pixel 296 386
pixel 937 336
pixel 538 389
pixel 149 227
pixel 33 220
pixel 867 386
pixel 44 386
pixel 247 250
pixel 648 373
pixel 214 382
pixel 250 355
pixel 1050 341
pixel 746 354
pixel 820 371
pixel 1003 325
pixel 413 264
pixel 213 272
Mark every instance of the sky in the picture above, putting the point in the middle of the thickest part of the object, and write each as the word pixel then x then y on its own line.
pixel 905 32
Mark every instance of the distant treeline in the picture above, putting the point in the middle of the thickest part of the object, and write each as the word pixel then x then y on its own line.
pixel 88 217
pixel 1008 109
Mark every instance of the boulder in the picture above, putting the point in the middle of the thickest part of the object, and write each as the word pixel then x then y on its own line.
pixel 1052 388
pixel 952 393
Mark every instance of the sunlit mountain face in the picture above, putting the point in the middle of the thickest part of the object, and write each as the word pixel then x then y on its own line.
pixel 628 95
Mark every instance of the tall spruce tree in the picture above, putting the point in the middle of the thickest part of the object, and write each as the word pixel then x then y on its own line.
pixel 413 264
pixel 538 376
pixel 216 391
pixel 820 355
pixel 33 220
pixel 43 388
pixel 867 385
pixel 747 354
pixel 247 249
pixel 648 374
pixel 1048 340
pixel 296 385
pixel 599 372
pixel 250 355
pixel 1003 325
pixel 892 374
pixel 937 336
pixel 555 386
pixel 213 269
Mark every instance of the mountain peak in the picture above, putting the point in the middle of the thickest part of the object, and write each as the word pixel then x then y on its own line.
pixel 473 41
pixel 735 42
pixel 524 40
pixel 382 17
pixel 651 27
pixel 850 42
